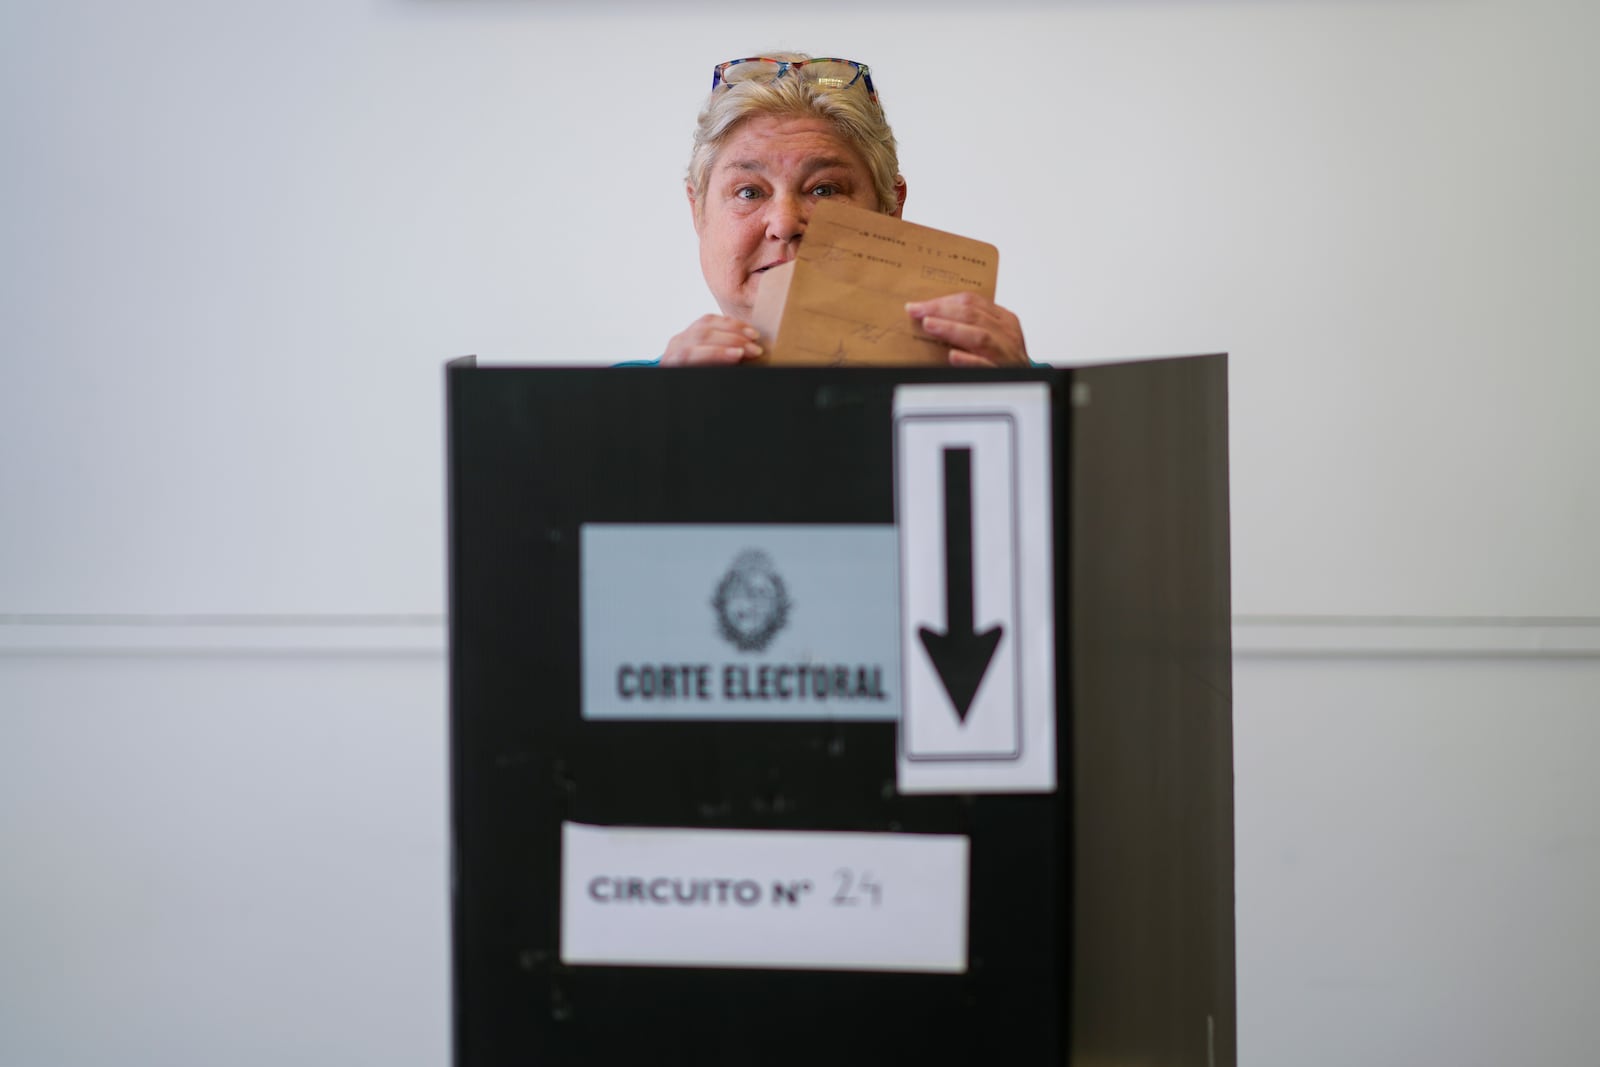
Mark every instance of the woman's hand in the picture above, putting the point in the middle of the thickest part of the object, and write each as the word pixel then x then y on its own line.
pixel 980 332
pixel 712 339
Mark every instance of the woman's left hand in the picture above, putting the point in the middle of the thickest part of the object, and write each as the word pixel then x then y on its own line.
pixel 980 332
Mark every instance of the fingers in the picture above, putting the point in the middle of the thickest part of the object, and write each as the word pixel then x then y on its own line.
pixel 980 332
pixel 712 339
pixel 958 358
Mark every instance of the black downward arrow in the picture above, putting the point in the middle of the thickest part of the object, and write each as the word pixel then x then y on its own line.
pixel 960 656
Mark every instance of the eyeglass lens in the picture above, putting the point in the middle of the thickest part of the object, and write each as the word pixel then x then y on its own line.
pixel 828 73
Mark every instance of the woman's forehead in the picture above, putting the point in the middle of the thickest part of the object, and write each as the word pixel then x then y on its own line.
pixel 771 142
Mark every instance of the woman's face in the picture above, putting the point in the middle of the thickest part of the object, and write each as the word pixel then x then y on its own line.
pixel 766 179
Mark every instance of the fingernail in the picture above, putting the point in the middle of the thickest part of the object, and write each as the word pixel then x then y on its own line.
pixel 736 351
pixel 752 333
pixel 754 350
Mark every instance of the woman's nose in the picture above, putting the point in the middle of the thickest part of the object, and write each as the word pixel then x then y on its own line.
pixel 786 218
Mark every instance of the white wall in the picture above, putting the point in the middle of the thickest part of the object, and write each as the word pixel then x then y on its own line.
pixel 223 856
pixel 1417 854
pixel 238 240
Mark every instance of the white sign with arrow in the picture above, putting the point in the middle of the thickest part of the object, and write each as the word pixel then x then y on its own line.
pixel 977 591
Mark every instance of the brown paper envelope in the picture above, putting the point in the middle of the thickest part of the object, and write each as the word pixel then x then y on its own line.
pixel 842 300
pixel 770 296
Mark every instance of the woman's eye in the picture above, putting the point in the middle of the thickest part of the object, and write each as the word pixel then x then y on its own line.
pixel 825 190
pixel 747 192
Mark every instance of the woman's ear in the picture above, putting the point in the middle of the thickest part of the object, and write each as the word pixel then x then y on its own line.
pixel 899 195
pixel 694 205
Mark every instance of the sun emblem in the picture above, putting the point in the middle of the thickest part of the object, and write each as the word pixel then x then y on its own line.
pixel 751 602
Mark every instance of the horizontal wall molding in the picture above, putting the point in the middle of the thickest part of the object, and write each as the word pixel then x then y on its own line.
pixel 222 635
pixel 1415 636
pixel 1254 636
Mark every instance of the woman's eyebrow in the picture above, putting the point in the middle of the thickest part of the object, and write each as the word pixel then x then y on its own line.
pixel 817 163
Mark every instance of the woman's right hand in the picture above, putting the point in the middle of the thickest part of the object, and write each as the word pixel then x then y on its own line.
pixel 712 339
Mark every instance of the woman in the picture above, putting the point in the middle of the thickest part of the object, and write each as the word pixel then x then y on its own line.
pixel 779 133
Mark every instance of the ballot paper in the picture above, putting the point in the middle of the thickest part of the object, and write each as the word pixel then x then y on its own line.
pixel 842 299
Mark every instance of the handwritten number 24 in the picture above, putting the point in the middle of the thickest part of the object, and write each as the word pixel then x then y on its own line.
pixel 854 889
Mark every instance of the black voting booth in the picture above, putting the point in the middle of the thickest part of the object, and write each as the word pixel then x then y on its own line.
pixel 1101 915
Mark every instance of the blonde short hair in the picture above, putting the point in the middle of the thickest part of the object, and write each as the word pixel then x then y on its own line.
pixel 854 115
